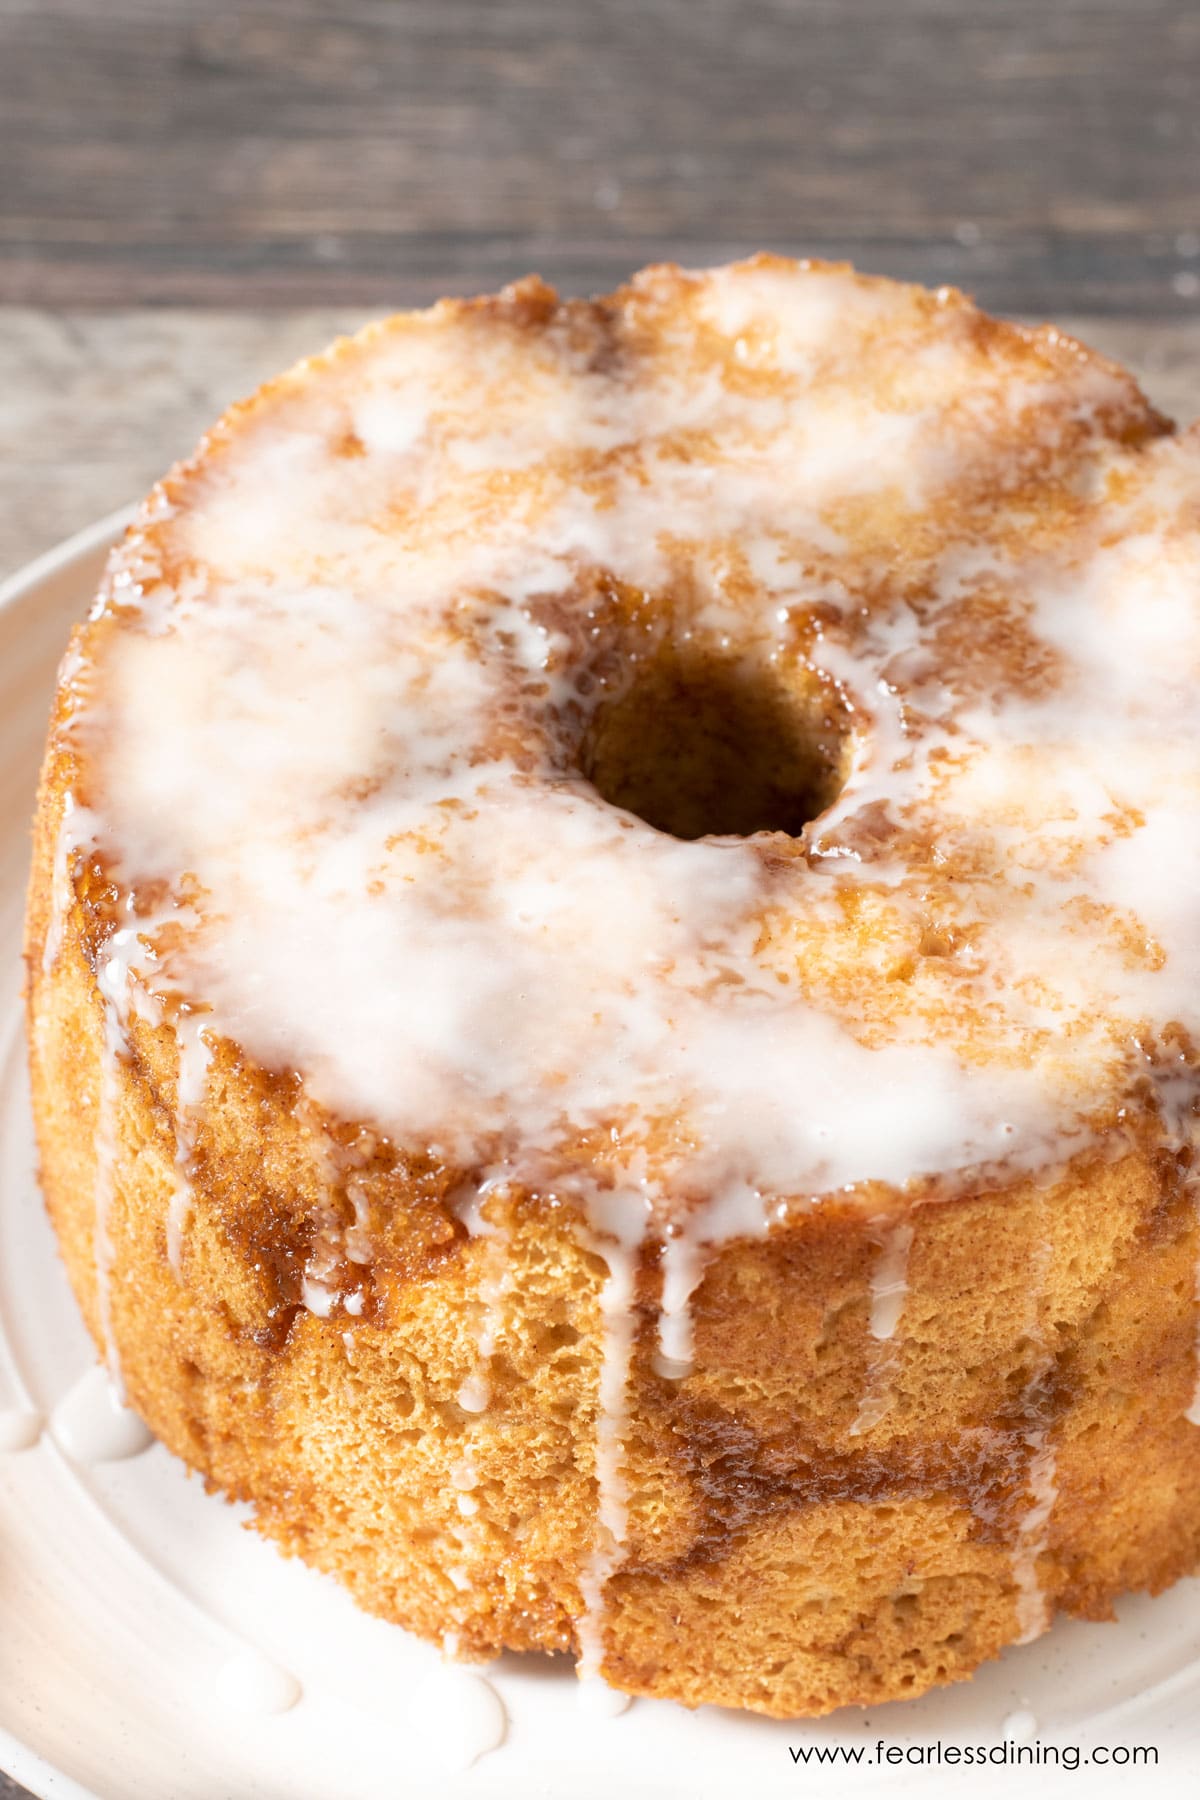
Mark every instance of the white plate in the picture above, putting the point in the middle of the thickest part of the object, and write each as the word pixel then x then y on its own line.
pixel 126 1591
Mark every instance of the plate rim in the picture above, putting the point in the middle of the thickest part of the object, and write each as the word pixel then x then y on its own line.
pixel 101 533
pixel 18 1758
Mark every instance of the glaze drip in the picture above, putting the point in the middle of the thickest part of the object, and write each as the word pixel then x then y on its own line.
pixel 1034 1605
pixel 889 1287
pixel 612 1496
pixel 474 1396
pixel 92 1424
pixel 195 1056
pixel 113 981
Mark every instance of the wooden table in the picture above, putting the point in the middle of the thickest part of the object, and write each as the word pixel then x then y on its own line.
pixel 173 173
pixel 194 192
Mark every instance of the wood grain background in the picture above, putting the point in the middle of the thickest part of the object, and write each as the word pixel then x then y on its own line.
pixel 194 192
pixel 1043 152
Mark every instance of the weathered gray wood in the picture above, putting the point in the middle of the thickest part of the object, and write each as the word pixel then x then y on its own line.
pixel 95 405
pixel 249 152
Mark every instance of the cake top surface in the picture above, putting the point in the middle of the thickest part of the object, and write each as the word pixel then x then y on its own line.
pixel 883 615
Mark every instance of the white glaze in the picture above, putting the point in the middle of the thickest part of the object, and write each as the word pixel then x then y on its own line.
pixel 877 1397
pixel 112 978
pixel 612 1517
pixel 1034 1609
pixel 563 966
pixel 889 1281
pixel 195 1057
pixel 251 1683
pixel 600 1701
pixel 211 766
pixel 683 1262
pixel 458 1716
pixel 888 1289
pixel 1033 1604
pixel 1021 1726
pixel 475 1393
pixel 91 1424
pixel 20 1429
pixel 66 845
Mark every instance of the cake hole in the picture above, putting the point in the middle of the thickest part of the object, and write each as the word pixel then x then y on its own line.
pixel 702 743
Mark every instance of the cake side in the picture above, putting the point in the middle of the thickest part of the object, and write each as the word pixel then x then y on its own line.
pixel 817 1516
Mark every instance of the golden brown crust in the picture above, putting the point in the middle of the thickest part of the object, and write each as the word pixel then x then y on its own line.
pixel 775 1562
pixel 778 1558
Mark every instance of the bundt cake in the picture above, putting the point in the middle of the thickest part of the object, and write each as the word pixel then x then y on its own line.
pixel 613 978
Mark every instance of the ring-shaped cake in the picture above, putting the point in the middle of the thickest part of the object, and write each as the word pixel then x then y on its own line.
pixel 613 978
